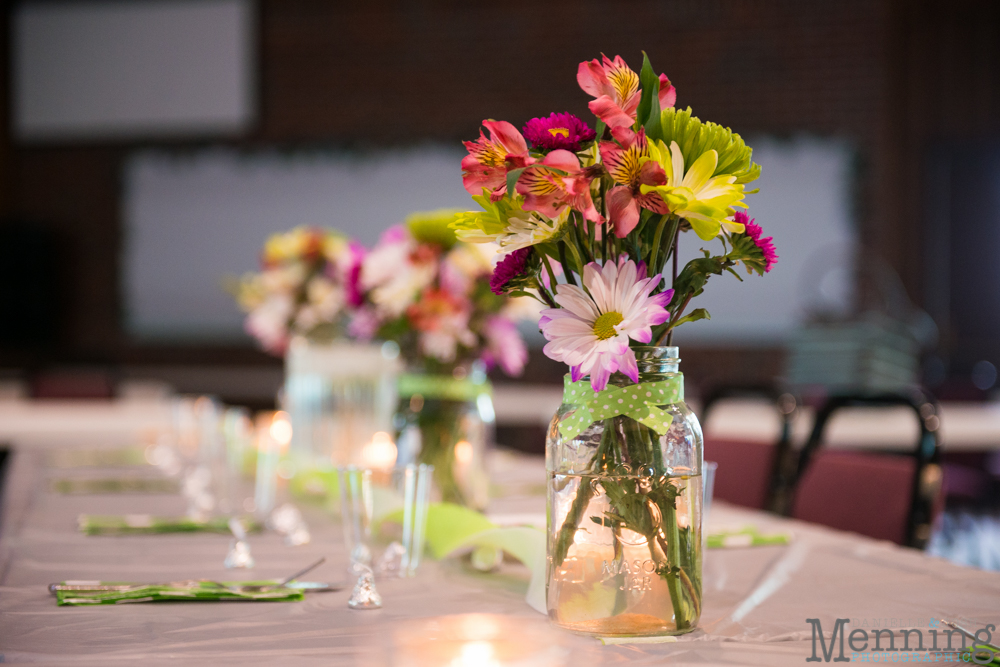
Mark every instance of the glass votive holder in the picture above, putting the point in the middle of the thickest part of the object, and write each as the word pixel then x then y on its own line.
pixel 708 485
pixel 415 484
pixel 356 512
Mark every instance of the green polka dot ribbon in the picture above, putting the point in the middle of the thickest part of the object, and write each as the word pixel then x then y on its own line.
pixel 638 401
pixel 443 387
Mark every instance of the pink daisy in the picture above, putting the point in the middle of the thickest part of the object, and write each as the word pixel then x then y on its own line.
pixel 591 330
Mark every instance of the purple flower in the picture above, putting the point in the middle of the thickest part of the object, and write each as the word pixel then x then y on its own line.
pixel 754 231
pixel 560 130
pixel 510 267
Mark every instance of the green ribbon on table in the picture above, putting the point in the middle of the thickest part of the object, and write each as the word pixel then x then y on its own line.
pixel 638 401
pixel 748 536
pixel 146 524
pixel 444 387
pixel 101 592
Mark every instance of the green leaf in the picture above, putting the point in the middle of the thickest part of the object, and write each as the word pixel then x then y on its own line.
pixel 512 177
pixel 599 129
pixel 653 128
pixel 650 91
pixel 693 316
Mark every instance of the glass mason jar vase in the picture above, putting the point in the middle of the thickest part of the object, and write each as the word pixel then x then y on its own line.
pixel 339 395
pixel 448 421
pixel 625 504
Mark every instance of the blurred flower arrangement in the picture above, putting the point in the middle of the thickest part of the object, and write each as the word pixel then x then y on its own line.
pixel 307 286
pixel 419 287
pixel 432 295
pixel 426 291
pixel 588 219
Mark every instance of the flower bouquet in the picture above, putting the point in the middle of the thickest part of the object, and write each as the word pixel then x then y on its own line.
pixel 588 221
pixel 307 284
pixel 338 393
pixel 431 295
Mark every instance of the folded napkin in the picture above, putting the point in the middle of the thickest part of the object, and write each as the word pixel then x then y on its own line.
pixel 86 486
pixel 745 537
pixel 81 593
pixel 147 524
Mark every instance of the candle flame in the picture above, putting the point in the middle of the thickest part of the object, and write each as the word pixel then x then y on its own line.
pixel 380 452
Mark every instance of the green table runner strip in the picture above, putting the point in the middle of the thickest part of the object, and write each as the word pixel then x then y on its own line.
pixel 638 401
pixel 97 458
pixel 441 387
pixel 184 591
pixel 84 486
pixel 745 537
pixel 146 524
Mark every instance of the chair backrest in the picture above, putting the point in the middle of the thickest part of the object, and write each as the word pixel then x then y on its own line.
pixel 745 470
pixel 748 470
pixel 72 385
pixel 883 495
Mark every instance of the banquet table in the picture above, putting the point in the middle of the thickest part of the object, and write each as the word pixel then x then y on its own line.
pixel 756 599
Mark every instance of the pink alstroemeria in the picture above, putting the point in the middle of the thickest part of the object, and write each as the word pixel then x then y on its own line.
pixel 616 88
pixel 488 160
pixel 623 162
pixel 549 191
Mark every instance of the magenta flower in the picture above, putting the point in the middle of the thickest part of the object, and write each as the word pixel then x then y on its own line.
pixel 559 130
pixel 754 231
pixel 510 267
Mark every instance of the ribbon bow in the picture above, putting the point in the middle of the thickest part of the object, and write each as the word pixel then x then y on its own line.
pixel 638 401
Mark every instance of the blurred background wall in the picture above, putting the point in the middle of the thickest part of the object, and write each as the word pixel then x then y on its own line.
pixel 893 105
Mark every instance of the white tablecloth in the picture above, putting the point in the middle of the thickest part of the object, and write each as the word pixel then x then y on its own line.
pixel 756 600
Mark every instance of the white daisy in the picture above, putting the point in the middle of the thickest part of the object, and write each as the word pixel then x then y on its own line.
pixel 591 330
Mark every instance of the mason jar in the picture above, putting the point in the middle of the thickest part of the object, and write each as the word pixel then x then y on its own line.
pixel 625 504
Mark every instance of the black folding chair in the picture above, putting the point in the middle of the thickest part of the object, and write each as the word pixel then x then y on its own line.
pixel 784 403
pixel 925 485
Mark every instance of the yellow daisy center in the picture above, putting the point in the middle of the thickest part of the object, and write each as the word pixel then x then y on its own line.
pixel 604 327
pixel 559 131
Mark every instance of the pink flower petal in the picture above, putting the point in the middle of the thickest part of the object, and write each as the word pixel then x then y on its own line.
pixel 608 111
pixel 668 94
pixel 628 366
pixel 623 211
pixel 507 135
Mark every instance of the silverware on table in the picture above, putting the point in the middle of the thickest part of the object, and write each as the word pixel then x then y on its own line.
pixel 969 635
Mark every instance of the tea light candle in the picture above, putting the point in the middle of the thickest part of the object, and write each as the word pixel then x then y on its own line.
pixel 380 453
